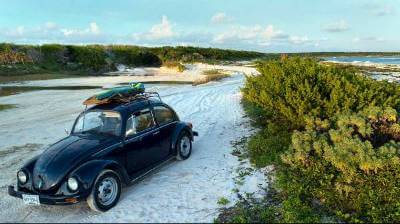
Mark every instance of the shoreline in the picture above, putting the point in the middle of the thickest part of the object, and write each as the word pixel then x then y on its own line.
pixel 367 66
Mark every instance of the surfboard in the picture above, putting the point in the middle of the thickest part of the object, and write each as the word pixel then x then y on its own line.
pixel 121 93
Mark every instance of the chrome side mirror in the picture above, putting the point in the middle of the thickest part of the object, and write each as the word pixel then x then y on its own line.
pixel 66 131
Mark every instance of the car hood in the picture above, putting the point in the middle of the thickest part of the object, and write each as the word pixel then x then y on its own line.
pixel 64 156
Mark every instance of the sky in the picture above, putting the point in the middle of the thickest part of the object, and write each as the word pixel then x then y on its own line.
pixel 260 25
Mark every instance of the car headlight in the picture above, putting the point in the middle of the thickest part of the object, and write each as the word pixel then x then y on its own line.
pixel 22 177
pixel 72 184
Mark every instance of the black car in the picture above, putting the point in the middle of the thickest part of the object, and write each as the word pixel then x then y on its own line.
pixel 109 145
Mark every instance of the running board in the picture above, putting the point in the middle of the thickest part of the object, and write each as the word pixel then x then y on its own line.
pixel 144 174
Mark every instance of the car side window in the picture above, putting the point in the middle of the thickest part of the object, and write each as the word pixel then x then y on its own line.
pixel 163 115
pixel 139 122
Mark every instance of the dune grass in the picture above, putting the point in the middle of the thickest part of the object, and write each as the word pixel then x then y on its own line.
pixel 6 106
pixel 175 64
pixel 211 75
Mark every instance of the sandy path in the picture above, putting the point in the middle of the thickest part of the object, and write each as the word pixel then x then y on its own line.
pixel 192 73
pixel 180 192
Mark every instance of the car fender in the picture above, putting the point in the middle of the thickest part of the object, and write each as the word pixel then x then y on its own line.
pixel 87 172
pixel 181 126
pixel 30 164
pixel 28 168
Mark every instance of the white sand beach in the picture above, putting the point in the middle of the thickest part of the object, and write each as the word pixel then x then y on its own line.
pixel 185 191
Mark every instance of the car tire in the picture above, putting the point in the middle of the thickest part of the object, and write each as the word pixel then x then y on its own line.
pixel 183 146
pixel 105 192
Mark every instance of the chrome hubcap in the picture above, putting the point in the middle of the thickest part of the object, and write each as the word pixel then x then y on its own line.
pixel 185 146
pixel 107 191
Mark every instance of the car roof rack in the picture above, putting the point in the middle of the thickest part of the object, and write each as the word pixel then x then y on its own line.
pixel 144 95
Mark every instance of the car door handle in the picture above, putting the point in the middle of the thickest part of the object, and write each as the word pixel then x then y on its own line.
pixel 156 133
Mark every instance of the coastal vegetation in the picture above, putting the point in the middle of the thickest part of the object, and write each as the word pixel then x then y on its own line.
pixel 212 75
pixel 6 106
pixel 175 65
pixel 97 59
pixel 333 137
pixel 295 87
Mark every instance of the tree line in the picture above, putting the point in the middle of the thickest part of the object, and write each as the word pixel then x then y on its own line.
pixel 103 58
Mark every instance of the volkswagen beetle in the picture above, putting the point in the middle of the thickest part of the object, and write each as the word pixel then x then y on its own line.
pixel 110 145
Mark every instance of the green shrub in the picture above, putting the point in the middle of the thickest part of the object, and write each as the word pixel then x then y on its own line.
pixel 343 156
pixel 223 201
pixel 243 213
pixel 192 54
pixel 125 55
pixel 181 68
pixel 258 116
pixel 90 57
pixel 174 64
pixel 133 56
pixel 350 165
pixel 294 87
pixel 8 56
pixel 6 106
pixel 150 59
pixel 53 53
pixel 266 146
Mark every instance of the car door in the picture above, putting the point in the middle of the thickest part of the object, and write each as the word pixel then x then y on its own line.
pixel 166 120
pixel 141 141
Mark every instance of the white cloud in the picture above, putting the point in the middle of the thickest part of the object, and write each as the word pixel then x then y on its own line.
pixel 298 39
pixel 250 34
pixel 14 33
pixel 20 31
pixel 50 26
pixel 268 36
pixel 370 39
pixel 93 29
pixel 339 26
pixel 50 32
pixel 220 17
pixel 319 42
pixel 265 44
pixel 379 9
pixel 271 33
pixel 383 10
pixel 163 30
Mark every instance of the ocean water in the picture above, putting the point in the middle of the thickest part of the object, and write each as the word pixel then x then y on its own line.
pixel 381 76
pixel 392 60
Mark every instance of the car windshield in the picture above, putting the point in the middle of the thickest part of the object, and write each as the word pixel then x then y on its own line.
pixel 98 122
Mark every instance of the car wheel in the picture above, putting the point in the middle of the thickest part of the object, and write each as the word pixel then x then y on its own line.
pixel 105 192
pixel 183 146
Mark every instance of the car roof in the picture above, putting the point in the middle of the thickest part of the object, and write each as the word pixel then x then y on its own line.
pixel 124 108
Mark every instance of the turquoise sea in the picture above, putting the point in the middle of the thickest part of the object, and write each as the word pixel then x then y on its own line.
pixel 395 60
